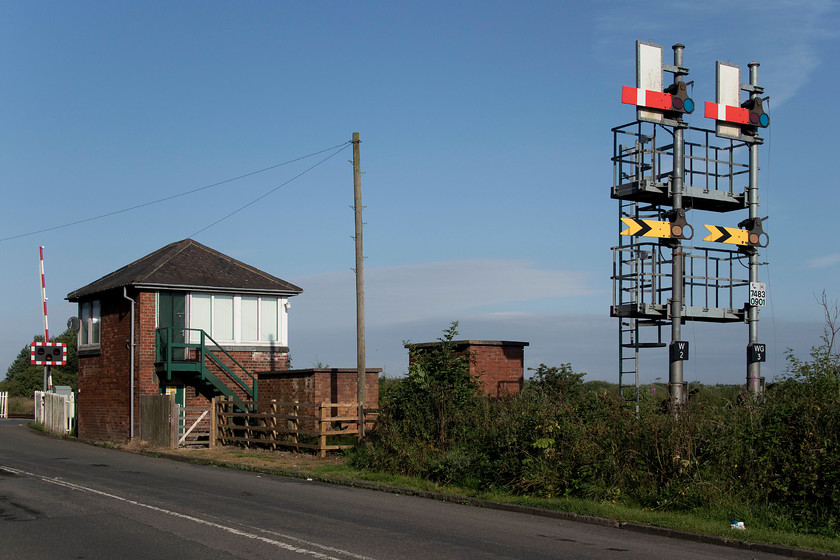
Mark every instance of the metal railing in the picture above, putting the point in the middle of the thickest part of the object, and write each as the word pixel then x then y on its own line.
pixel 711 163
pixel 716 282
pixel 168 348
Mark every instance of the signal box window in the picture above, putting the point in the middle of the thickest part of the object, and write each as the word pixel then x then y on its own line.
pixel 238 319
pixel 89 315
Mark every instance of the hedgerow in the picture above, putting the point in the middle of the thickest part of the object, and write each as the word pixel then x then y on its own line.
pixel 774 460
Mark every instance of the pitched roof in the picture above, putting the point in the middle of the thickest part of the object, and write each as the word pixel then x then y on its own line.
pixel 189 265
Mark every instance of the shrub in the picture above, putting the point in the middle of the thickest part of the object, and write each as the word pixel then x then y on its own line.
pixel 775 460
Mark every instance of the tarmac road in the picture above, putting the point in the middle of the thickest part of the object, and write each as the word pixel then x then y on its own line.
pixel 65 499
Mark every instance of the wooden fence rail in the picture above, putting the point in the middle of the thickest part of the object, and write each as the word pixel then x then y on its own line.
pixel 318 426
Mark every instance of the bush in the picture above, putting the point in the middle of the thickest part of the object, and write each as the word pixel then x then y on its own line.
pixel 425 420
pixel 775 460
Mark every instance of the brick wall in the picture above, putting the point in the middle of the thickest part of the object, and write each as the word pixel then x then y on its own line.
pixel 146 379
pixel 105 377
pixel 500 368
pixel 318 385
pixel 332 385
pixel 499 365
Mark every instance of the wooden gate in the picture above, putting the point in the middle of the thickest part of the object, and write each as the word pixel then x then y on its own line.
pixel 164 423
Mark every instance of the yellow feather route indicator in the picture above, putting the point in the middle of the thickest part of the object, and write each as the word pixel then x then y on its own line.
pixel 731 235
pixel 647 228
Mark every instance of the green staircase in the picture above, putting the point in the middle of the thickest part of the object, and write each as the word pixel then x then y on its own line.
pixel 176 356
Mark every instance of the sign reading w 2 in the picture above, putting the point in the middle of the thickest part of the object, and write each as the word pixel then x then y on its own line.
pixel 678 350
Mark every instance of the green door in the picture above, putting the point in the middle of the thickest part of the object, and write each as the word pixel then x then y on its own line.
pixel 172 313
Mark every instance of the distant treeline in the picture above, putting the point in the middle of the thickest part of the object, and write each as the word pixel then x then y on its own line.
pixel 23 379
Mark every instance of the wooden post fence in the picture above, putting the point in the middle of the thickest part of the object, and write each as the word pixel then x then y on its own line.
pixel 320 427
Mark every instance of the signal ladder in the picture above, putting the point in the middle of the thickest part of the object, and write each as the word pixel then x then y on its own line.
pixel 640 288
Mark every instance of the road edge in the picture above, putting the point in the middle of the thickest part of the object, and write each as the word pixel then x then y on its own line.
pixel 515 508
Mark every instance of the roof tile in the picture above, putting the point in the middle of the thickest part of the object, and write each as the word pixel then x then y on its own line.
pixel 188 264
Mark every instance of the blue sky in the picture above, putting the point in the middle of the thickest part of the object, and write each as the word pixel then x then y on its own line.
pixel 486 149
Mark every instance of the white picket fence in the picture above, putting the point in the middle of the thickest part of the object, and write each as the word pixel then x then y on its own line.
pixel 4 405
pixel 55 411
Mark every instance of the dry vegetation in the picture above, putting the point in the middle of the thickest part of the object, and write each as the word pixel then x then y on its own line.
pixel 256 458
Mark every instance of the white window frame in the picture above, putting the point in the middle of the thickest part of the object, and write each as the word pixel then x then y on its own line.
pixel 90 327
pixel 280 328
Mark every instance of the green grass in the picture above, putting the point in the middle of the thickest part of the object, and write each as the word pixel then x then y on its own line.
pixel 37 426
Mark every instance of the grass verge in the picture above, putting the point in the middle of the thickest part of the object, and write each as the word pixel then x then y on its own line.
pixel 714 523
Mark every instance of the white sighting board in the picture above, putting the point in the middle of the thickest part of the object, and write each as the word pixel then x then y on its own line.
pixel 728 93
pixel 648 76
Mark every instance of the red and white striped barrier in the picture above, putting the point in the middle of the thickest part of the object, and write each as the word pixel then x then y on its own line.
pixel 646 98
pixel 728 113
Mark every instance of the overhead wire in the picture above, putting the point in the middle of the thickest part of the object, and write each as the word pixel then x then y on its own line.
pixel 304 172
pixel 185 193
pixel 769 200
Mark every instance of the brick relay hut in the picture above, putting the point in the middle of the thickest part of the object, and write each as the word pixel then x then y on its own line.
pixel 316 385
pixel 149 327
pixel 499 365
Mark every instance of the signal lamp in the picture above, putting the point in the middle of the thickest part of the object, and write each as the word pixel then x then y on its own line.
pixel 680 101
pixel 755 232
pixel 757 116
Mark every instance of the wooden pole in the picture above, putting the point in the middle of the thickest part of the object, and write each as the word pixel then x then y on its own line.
pixel 322 429
pixel 361 393
pixel 295 425
pixel 214 423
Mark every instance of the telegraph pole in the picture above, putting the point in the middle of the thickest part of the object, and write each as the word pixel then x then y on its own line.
pixel 361 377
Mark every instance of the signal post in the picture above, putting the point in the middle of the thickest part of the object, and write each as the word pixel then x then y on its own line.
pixel 742 122
pixel 655 194
pixel 754 355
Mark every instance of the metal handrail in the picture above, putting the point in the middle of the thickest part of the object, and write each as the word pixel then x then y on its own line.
pixel 166 345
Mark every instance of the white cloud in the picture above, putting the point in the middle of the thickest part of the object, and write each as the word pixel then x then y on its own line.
pixel 415 292
pixel 825 261
pixel 494 300
pixel 588 342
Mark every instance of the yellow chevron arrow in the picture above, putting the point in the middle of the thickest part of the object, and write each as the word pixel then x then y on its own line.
pixel 721 234
pixel 646 228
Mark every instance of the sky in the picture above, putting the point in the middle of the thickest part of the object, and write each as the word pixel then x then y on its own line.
pixel 485 148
